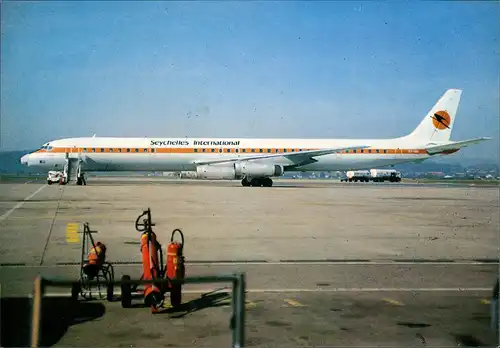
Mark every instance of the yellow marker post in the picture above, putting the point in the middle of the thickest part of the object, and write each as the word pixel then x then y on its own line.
pixel 484 301
pixel 72 233
pixel 393 302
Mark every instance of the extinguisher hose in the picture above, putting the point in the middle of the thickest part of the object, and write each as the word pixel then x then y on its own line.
pixel 162 270
pixel 173 234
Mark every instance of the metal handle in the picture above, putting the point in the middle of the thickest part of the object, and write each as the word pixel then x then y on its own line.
pixel 180 232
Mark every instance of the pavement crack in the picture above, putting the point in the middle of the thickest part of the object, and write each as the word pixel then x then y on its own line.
pixel 51 226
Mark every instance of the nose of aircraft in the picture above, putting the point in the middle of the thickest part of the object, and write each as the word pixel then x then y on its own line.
pixel 24 160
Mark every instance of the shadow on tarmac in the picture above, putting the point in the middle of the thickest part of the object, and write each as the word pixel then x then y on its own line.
pixel 205 301
pixel 58 314
pixel 469 341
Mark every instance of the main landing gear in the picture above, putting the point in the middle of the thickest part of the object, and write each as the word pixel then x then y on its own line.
pixel 265 182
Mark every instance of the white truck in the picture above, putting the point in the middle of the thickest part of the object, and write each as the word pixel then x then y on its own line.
pixel 356 175
pixel 55 177
pixel 375 175
pixel 380 175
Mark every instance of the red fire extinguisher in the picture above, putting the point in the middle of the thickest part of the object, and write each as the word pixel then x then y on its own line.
pixel 175 268
pixel 150 267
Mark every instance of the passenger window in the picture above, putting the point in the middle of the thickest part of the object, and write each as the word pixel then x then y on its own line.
pixel 268 150
pixel 204 150
pixel 145 150
pixel 136 150
pixel 385 151
pixel 220 150
pixel 128 150
pixel 228 150
pixel 253 150
pixel 244 150
pixel 152 150
pixel 354 151
pixel 195 150
pixel 102 150
pixel 236 150
pixel 93 149
pixel 213 150
pixel 84 149
pixel 119 150
pixel 362 151
pixel 260 150
pixel 110 149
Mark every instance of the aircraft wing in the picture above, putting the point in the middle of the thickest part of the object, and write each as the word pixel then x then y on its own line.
pixel 297 158
pixel 452 147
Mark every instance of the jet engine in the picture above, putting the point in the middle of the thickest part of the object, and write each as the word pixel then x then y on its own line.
pixel 238 170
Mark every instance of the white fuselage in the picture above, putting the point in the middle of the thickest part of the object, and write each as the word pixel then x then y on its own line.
pixel 180 154
pixel 254 160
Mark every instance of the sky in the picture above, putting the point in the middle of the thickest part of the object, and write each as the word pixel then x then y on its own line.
pixel 245 69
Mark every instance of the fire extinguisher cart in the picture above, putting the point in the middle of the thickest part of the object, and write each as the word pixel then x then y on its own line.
pixel 93 269
pixel 170 273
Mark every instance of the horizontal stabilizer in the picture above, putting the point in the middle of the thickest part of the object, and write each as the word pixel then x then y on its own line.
pixel 454 146
pixel 295 157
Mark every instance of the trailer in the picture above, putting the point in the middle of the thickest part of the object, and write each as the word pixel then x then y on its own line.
pixel 375 175
pixel 381 175
pixel 357 175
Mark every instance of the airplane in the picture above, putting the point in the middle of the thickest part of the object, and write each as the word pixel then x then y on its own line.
pixel 254 161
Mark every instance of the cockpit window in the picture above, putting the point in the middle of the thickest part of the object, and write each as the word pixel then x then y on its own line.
pixel 46 147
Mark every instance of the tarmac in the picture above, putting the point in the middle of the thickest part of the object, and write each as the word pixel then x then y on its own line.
pixel 326 264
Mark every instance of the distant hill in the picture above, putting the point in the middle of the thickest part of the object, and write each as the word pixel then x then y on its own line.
pixel 10 163
pixel 439 166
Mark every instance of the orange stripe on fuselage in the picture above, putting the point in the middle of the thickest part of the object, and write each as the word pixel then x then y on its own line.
pixel 181 150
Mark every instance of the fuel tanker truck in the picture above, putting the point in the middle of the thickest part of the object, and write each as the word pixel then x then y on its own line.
pixel 380 175
pixel 376 175
pixel 357 175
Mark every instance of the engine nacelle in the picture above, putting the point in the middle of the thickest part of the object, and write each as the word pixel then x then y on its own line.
pixel 216 172
pixel 257 170
pixel 238 170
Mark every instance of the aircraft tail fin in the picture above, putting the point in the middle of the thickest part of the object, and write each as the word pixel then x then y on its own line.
pixel 438 123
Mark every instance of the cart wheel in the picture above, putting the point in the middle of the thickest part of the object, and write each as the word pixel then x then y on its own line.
pixel 126 293
pixel 75 291
pixel 176 295
pixel 109 292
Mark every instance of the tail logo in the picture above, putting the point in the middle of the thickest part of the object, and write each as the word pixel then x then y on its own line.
pixel 441 120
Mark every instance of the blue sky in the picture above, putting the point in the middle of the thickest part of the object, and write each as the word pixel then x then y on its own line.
pixel 245 69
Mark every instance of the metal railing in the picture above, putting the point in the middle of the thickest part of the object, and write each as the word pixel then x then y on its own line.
pixel 237 321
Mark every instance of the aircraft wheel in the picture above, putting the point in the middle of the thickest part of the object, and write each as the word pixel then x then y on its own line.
pixel 245 182
pixel 267 182
pixel 255 182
